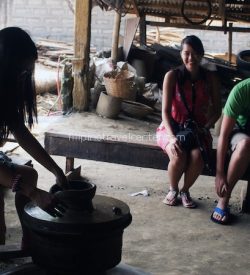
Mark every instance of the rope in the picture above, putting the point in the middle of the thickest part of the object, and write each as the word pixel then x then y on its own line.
pixel 70 5
pixel 59 95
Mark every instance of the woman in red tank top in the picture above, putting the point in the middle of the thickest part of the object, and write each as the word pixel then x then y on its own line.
pixel 200 91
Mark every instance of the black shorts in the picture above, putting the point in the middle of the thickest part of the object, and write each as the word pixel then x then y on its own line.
pixel 5 160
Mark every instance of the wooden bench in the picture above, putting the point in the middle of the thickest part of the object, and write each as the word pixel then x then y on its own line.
pixel 121 152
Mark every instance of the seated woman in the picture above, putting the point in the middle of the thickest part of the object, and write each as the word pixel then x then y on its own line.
pixel 190 94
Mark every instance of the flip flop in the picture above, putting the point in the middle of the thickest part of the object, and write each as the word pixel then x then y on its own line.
pixel 187 200
pixel 173 201
pixel 223 213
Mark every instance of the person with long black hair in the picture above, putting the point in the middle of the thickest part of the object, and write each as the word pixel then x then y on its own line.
pixel 18 55
pixel 190 107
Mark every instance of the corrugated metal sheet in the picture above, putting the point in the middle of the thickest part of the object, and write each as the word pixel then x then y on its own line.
pixel 187 11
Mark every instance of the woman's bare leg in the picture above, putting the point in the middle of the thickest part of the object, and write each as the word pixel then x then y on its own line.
pixel 2 218
pixel 29 178
pixel 176 167
pixel 195 166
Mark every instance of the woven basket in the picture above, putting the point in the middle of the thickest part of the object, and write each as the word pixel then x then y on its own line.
pixel 120 84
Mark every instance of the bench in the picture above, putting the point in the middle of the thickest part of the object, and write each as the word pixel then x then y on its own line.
pixel 121 152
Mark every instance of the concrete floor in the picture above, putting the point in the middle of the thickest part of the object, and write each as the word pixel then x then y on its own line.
pixel 161 240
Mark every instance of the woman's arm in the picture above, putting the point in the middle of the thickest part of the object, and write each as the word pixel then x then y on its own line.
pixel 28 142
pixel 215 112
pixel 167 95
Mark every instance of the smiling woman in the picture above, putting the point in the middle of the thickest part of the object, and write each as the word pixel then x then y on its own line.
pixel 189 93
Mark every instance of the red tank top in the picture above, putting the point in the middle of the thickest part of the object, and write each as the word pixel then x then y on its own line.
pixel 202 101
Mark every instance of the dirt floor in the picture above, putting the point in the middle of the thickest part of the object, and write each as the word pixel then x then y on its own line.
pixel 161 240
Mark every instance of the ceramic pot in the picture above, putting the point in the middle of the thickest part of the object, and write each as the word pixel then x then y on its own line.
pixel 86 240
pixel 108 106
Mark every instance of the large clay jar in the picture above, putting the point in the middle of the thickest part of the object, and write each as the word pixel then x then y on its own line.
pixel 86 240
pixel 108 106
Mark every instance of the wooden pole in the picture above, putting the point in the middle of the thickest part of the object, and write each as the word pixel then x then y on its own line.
pixel 81 51
pixel 230 42
pixel 222 13
pixel 143 31
pixel 115 37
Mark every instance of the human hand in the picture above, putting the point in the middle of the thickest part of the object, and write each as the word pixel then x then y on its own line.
pixel 175 146
pixel 221 185
pixel 49 203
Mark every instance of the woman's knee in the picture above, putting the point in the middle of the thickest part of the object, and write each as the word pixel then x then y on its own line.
pixel 179 160
pixel 243 148
pixel 28 174
pixel 196 157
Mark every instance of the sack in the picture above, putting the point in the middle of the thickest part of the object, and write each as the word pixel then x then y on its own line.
pixel 187 139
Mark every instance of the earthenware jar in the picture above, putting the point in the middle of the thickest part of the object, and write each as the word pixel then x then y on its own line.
pixel 86 240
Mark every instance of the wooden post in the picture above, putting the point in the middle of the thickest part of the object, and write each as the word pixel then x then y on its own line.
pixel 143 31
pixel 245 198
pixel 222 13
pixel 81 51
pixel 69 164
pixel 115 38
pixel 230 41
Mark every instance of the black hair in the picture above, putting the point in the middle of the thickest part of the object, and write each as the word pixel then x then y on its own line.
pixel 17 89
pixel 195 43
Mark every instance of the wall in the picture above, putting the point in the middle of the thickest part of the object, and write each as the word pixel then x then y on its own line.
pixel 41 18
pixel 53 19
pixel 217 41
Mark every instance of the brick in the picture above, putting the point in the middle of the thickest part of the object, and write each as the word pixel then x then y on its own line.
pixel 57 12
pixel 40 12
pixel 95 31
pixel 34 21
pixel 67 21
pixel 22 11
pixel 39 3
pixel 51 22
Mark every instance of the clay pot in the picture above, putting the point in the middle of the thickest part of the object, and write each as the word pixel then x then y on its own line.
pixel 86 240
pixel 95 94
pixel 108 106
